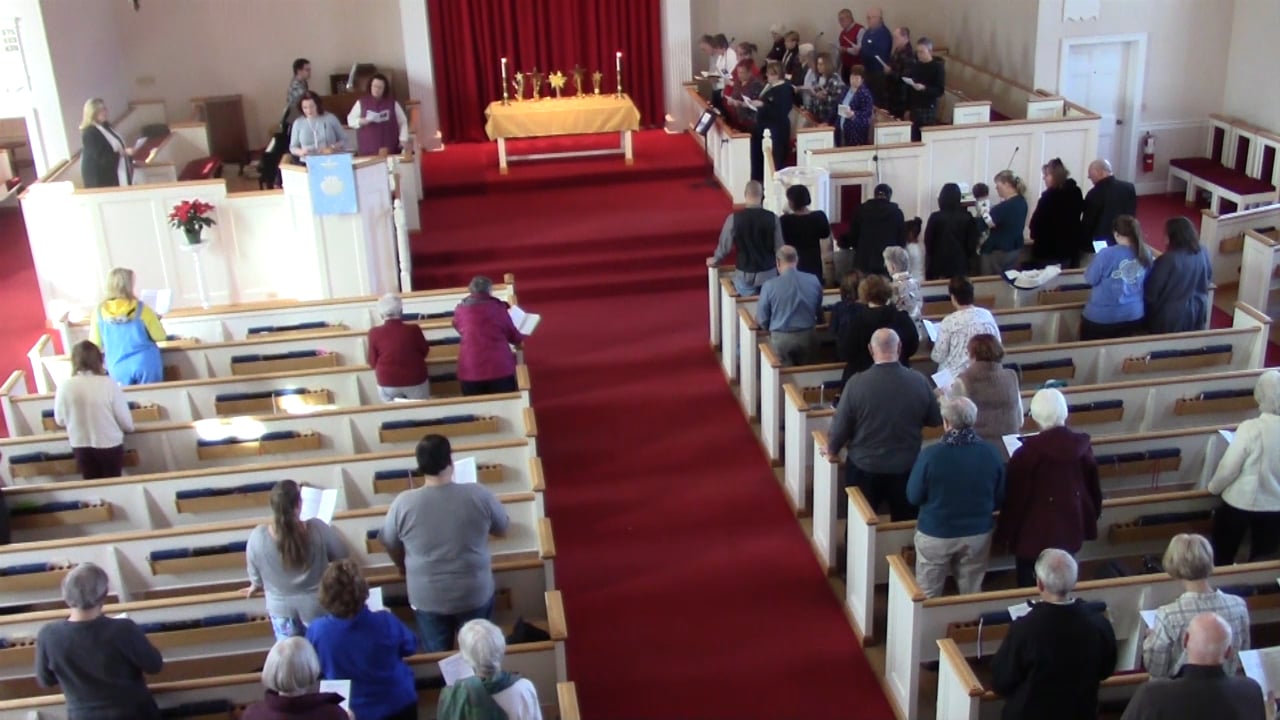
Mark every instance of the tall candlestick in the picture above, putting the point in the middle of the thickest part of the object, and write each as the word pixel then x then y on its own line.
pixel 505 100
pixel 619 68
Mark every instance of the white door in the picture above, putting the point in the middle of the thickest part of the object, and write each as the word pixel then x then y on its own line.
pixel 1096 77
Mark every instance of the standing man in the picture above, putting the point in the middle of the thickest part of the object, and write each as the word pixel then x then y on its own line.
pixel 1051 662
pixel 438 537
pixel 298 87
pixel 1108 199
pixel 850 43
pixel 876 48
pixel 1201 689
pixel 877 224
pixel 788 309
pixel 879 417
pixel 756 235
pixel 928 83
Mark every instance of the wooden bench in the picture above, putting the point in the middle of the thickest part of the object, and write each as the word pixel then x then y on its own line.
pixel 1240 166
pixel 144 564
pixel 240 441
pixel 80 508
pixel 915 623
pixel 1260 269
pixel 233 322
pixel 1222 236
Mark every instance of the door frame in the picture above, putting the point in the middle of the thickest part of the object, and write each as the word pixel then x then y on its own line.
pixel 1135 84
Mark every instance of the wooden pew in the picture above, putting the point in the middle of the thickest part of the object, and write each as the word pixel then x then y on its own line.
pixel 1144 406
pixel 1198 451
pixel 1259 269
pixel 347 431
pixel 1223 238
pixel 916 623
pixel 270 353
pixel 234 680
pixel 191 400
pixel 183 560
pixel 233 322
pixel 83 508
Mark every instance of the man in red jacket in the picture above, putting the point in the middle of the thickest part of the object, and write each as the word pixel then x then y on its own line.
pixel 850 42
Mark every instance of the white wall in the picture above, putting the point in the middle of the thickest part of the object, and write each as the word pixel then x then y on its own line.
pixel 40 106
pixel 1253 80
pixel 85 50
pixel 178 50
pixel 996 35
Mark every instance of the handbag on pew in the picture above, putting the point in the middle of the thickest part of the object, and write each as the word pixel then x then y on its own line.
pixel 269 164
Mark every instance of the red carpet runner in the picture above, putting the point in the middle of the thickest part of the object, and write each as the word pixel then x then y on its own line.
pixel 690 590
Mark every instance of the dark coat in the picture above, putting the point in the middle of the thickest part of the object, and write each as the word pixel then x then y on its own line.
pixel 1053 498
pixel 1106 201
pixel 99 161
pixel 1051 662
pixel 313 706
pixel 856 331
pixel 950 239
pixel 1198 691
pixel 1176 292
pixel 1055 225
pixel 876 225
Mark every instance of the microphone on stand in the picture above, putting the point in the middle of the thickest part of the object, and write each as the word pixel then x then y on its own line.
pixel 1016 148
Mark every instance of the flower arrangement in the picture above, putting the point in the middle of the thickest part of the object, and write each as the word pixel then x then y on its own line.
pixel 191 216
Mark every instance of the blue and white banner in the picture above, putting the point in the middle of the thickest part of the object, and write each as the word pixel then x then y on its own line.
pixel 333 184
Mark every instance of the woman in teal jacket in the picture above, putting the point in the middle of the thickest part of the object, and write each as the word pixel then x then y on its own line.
pixel 1008 221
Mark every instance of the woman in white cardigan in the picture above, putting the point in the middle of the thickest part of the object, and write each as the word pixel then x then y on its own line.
pixel 316 132
pixel 92 407
pixel 1248 479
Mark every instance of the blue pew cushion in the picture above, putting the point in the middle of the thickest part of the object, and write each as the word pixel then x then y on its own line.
pixel 36 457
pixel 447 420
pixel 311 325
pixel 394 474
pixel 1223 394
pixel 1170 518
pixel 259 395
pixel 1188 352
pixel 25 569
pixel 49 507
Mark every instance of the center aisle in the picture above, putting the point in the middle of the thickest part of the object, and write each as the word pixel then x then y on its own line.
pixel 690 590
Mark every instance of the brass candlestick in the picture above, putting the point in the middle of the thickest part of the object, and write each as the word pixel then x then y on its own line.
pixel 578 78
pixel 596 78
pixel 518 84
pixel 557 80
pixel 537 84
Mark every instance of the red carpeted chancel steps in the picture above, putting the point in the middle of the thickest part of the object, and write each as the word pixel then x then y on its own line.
pixel 690 588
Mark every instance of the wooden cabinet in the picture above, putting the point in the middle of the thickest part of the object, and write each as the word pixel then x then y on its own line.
pixel 223 115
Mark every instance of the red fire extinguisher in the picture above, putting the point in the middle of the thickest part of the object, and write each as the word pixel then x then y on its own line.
pixel 1148 152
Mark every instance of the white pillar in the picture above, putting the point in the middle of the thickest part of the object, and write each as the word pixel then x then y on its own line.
pixel 677 59
pixel 415 31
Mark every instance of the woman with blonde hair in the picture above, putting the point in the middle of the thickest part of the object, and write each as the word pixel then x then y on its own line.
pixel 127 331
pixel 1008 222
pixel 105 158
pixel 1248 479
pixel 91 406
pixel 288 558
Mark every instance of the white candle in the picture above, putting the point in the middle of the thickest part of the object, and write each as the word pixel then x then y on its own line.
pixel 619 63
pixel 504 81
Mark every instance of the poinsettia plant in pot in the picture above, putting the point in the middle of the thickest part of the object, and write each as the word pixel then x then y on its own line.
pixel 192 217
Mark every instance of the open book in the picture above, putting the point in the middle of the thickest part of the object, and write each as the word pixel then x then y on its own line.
pixel 1263 666
pixel 525 322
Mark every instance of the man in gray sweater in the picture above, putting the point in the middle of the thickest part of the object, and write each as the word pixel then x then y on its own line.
pixel 880 416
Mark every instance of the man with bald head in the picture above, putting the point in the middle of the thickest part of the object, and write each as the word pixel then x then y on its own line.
pixel 876 47
pixel 1108 199
pixel 1201 689
pixel 1054 657
pixel 879 417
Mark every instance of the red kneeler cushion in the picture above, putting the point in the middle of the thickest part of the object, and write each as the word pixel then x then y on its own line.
pixel 205 168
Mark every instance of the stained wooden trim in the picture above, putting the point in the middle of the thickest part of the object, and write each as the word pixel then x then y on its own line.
pixel 537 481
pixel 796 395
pixel 1152 498
pixel 15 377
pixel 768 356
pixel 872 148
pixel 1252 312
pixel 252 193
pixel 865 511
pixel 556 623
pixel 185 184
pixel 530 423
pixel 950 653
pixel 522 378
pixel 898 566
pixel 1175 380
pixel 546 540
pixel 973 103
pixel 567 696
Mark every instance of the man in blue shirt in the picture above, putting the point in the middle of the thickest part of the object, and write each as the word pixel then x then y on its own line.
pixel 877 46
pixel 788 309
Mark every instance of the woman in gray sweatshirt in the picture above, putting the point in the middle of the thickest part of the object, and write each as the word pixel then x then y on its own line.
pixel 287 558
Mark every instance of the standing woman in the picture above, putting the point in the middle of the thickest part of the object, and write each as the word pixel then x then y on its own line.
pixel 792 59
pixel 1176 295
pixel 316 132
pixel 287 558
pixel 1115 307
pixel 485 361
pixel 380 122
pixel 992 387
pixel 1055 225
pixel 1008 221
pixel 127 331
pixel 827 90
pixel 807 231
pixel 950 237
pixel 104 156
pixel 91 406
pixel 855 111
pixel 398 354
pixel 773 113
pixel 1248 479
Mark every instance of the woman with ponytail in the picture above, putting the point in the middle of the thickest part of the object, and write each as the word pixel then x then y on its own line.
pixel 287 558
pixel 1008 223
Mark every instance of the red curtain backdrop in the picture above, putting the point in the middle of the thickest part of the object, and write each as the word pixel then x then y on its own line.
pixel 468 38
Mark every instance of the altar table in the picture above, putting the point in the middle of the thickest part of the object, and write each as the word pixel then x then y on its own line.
pixel 547 117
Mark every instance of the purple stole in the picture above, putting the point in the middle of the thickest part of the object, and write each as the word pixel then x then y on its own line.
pixel 372 137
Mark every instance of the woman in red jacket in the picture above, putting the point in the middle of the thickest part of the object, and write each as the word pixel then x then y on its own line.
pixel 485 361
pixel 1052 494
pixel 398 354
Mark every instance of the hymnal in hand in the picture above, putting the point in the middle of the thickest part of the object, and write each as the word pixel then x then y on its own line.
pixel 525 322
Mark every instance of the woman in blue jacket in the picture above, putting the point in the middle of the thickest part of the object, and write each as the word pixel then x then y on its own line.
pixel 1177 288
pixel 1117 274
pixel 1008 221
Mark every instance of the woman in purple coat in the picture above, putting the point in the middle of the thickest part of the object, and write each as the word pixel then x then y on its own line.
pixel 1052 494
pixel 485 361
pixel 379 121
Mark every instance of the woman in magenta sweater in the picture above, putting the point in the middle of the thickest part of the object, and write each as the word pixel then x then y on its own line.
pixel 398 354
pixel 486 363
